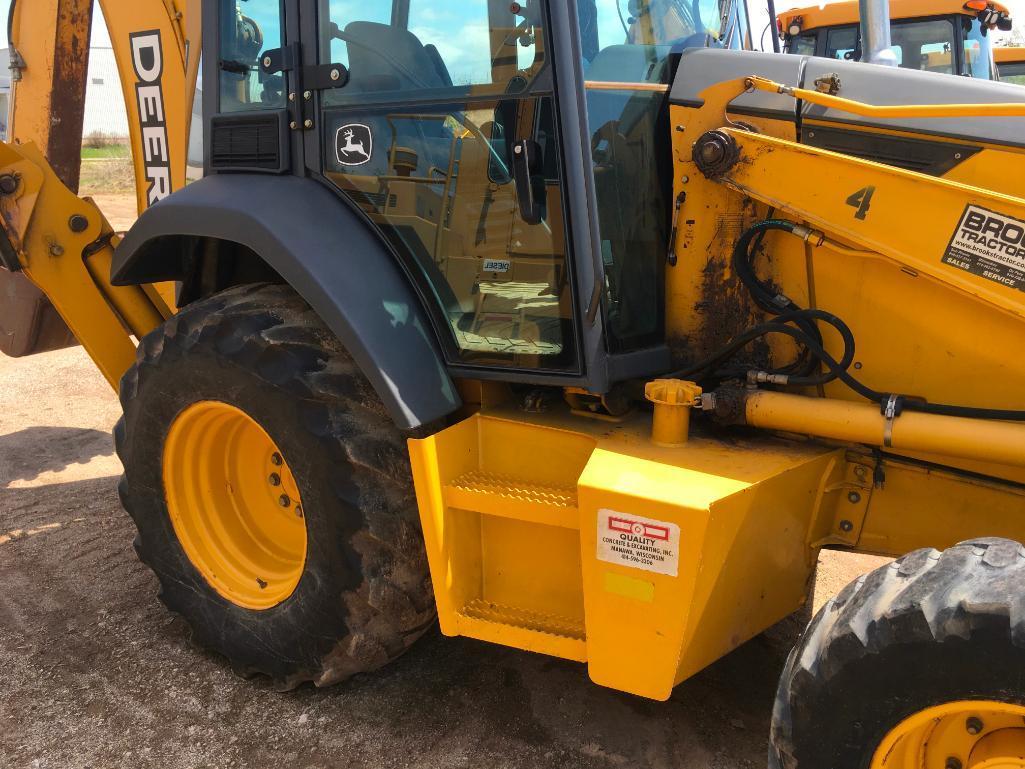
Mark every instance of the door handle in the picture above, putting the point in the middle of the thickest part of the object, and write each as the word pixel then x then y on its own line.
pixel 530 181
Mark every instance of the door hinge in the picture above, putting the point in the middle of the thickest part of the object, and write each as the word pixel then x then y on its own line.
pixel 304 81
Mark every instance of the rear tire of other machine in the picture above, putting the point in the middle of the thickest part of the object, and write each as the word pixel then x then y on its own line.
pixel 353 588
pixel 937 637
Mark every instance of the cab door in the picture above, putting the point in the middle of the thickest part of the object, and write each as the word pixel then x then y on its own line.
pixel 445 135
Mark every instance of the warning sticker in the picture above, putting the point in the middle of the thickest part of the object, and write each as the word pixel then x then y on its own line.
pixel 989 245
pixel 641 543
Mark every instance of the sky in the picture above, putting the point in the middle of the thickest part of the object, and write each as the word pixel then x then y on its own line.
pixel 100 37
pixel 759 18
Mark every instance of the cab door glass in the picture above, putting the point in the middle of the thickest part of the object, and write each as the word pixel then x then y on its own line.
pixel 466 48
pixel 445 137
pixel 627 44
pixel 248 28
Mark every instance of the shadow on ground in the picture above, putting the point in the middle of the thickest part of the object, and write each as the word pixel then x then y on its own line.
pixel 27 453
pixel 96 673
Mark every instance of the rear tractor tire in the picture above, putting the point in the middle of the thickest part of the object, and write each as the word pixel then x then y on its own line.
pixel 271 491
pixel 918 665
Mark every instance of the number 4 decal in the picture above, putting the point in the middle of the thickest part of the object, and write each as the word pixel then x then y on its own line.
pixel 861 200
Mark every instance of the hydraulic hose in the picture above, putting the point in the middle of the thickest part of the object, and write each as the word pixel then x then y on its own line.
pixel 806 333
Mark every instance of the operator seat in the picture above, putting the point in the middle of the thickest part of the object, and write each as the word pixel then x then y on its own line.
pixel 387 58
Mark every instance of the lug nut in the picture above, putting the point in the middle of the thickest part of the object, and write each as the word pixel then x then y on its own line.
pixel 274 480
pixel 276 460
pixel 284 501
pixel 974 725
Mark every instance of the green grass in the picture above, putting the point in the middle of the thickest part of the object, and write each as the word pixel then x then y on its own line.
pixel 113 151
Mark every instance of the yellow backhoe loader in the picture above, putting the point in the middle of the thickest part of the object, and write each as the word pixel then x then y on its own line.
pixel 566 323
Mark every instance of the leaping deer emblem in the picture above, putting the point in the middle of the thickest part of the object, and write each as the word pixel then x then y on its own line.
pixel 352 146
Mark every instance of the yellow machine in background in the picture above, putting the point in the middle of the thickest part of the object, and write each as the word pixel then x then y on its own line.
pixel 949 37
pixel 587 336
pixel 1010 64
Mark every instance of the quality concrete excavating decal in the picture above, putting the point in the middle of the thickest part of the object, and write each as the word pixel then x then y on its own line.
pixel 989 245
pixel 641 543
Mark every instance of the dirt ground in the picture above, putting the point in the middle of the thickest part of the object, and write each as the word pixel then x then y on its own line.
pixel 95 674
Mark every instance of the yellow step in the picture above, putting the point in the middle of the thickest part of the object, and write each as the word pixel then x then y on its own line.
pixel 531 630
pixel 506 497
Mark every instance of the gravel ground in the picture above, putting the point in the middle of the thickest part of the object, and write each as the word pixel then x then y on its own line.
pixel 95 673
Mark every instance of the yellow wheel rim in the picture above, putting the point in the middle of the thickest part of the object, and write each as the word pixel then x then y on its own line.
pixel 234 505
pixel 958 735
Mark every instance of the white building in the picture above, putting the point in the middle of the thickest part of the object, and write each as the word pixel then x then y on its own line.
pixel 104 104
pixel 104 101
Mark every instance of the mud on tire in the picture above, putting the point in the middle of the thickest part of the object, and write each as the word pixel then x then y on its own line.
pixel 928 629
pixel 364 595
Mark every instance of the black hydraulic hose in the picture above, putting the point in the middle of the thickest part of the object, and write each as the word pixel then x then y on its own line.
pixel 806 333
pixel 779 326
pixel 770 301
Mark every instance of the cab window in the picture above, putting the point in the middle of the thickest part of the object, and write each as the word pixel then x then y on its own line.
pixel 629 42
pixel 842 43
pixel 247 30
pixel 445 136
pixel 925 45
pixel 449 49
pixel 1013 72
pixel 803 45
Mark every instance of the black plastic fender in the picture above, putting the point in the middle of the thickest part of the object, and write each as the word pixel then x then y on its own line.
pixel 332 258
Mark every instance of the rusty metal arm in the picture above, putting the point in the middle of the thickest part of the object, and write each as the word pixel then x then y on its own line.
pixel 60 242
pixel 906 217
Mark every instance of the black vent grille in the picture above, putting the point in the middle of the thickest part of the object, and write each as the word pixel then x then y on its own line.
pixel 246 142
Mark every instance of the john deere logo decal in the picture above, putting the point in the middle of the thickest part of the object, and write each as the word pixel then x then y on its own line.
pixel 354 144
pixel 148 62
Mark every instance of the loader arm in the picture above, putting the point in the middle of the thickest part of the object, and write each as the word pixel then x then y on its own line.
pixel 62 243
pixel 868 210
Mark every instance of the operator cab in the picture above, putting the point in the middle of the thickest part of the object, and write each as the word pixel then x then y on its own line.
pixel 536 257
